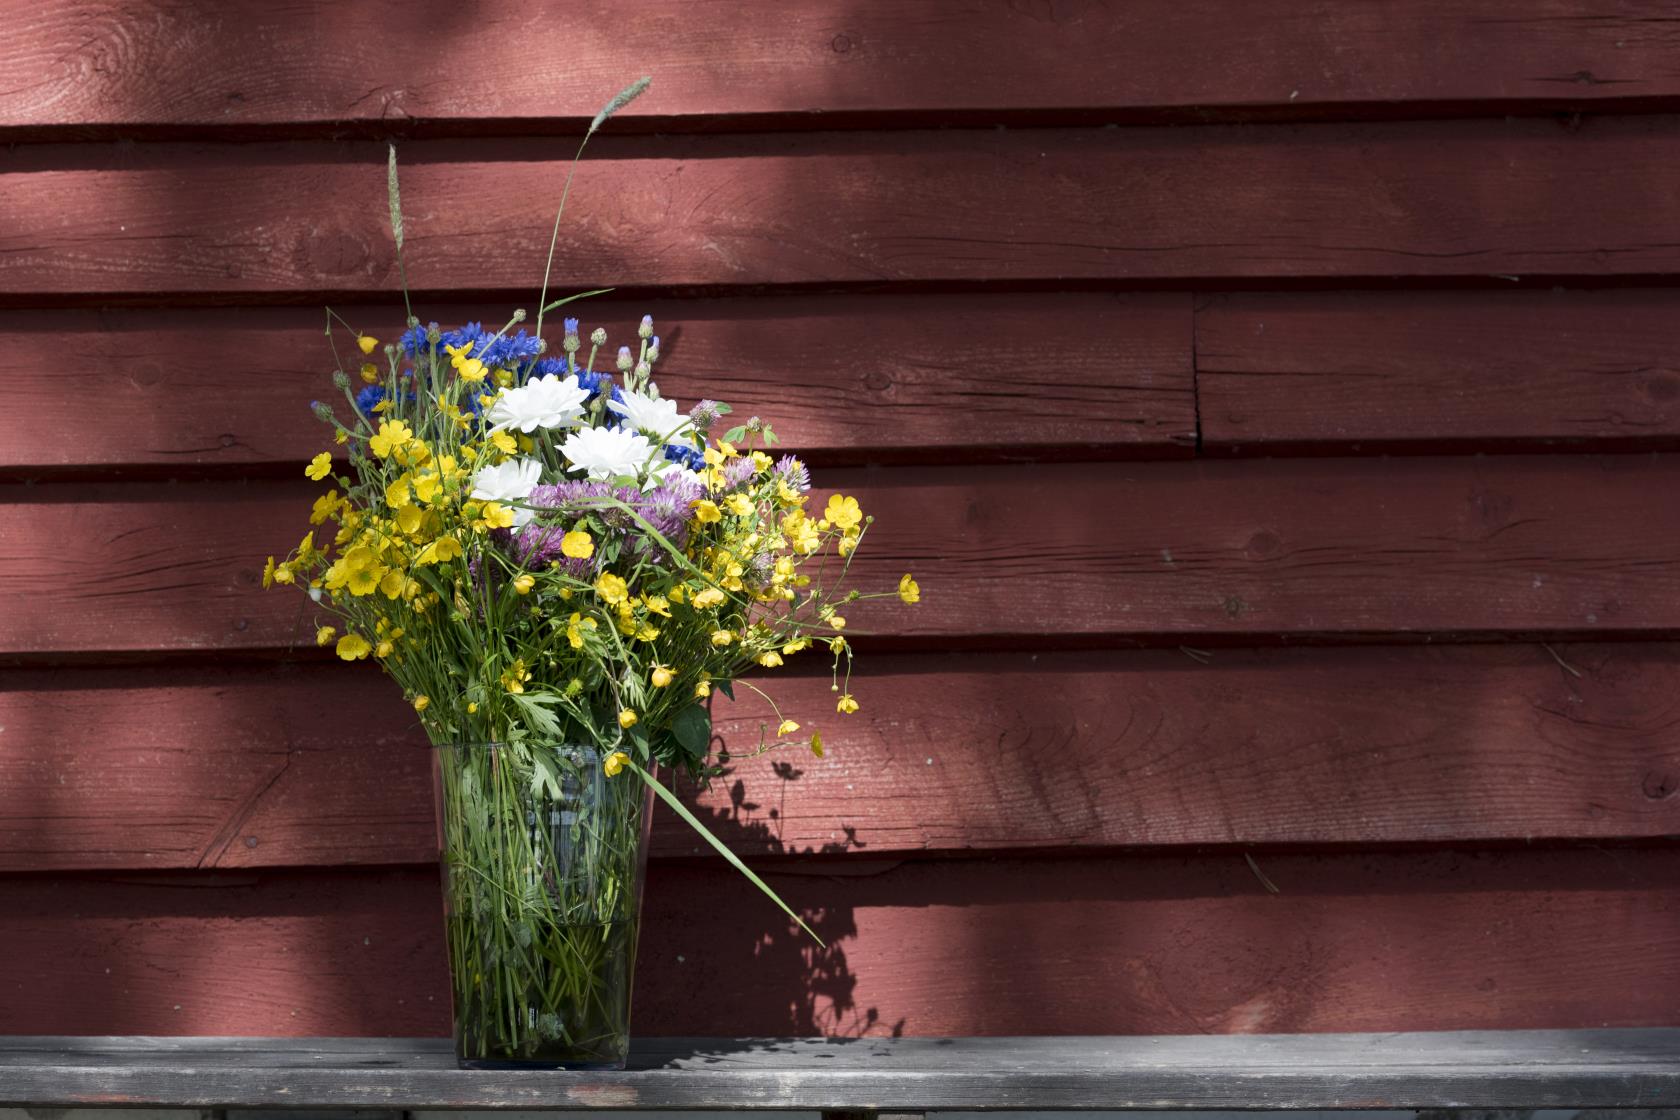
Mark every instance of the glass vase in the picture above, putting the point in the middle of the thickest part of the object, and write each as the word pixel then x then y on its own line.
pixel 543 857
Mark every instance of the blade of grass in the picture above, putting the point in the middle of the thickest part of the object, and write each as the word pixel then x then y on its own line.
pixel 677 807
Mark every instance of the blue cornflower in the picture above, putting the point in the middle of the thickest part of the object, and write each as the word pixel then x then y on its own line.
pixel 414 340
pixel 690 457
pixel 369 397
pixel 509 350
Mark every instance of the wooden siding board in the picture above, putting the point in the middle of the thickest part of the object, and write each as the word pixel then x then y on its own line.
pixel 859 378
pixel 1328 549
pixel 148 66
pixel 1462 201
pixel 1429 371
pixel 322 765
pixel 1353 941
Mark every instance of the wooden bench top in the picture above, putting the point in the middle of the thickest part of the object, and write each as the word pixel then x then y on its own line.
pixel 1473 1069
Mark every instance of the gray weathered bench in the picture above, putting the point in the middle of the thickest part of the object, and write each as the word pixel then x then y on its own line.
pixel 1475 1069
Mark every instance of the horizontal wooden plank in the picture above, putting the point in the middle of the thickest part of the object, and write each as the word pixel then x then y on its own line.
pixel 1398 941
pixel 1049 207
pixel 148 65
pixel 322 765
pixel 1046 555
pixel 855 378
pixel 1288 1071
pixel 1432 371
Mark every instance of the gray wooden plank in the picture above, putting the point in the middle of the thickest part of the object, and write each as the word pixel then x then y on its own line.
pixel 1511 1069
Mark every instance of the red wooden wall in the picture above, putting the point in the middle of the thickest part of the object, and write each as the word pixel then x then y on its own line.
pixel 1279 405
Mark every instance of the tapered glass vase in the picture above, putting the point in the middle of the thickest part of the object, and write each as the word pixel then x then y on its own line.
pixel 543 857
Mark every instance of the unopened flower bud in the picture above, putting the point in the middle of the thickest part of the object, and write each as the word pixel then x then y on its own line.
pixel 624 359
pixel 653 349
pixel 755 425
pixel 434 333
pixel 646 329
pixel 643 370
pixel 341 379
pixel 322 411
pixel 569 344
pixel 598 336
pixel 519 314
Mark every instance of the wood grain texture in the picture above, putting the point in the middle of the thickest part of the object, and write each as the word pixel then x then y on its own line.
pixel 856 378
pixel 321 765
pixel 1461 200
pixel 1140 944
pixel 1196 551
pixel 1432 371
pixel 1415 1070
pixel 153 64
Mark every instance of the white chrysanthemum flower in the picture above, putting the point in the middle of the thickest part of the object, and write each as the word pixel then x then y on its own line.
pixel 542 402
pixel 607 452
pixel 509 482
pixel 656 417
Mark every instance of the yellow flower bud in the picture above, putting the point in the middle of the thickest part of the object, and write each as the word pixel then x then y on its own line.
pixel 627 718
pixel 523 582
pixel 367 342
pixel 662 676
pixel 422 702
pixel 788 727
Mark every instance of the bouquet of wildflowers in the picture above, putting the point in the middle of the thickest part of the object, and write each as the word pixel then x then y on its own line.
pixel 560 566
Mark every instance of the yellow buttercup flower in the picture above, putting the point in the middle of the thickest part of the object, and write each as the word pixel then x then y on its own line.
pixel 843 513
pixel 504 442
pixel 703 688
pixel 319 467
pixel 740 505
pixel 577 544
pixel 498 516
pixel 409 518
pixel 770 659
pixel 847 705
pixel 721 638
pixel 706 511
pixel 710 597
pixel 325 634
pixel 370 372
pixel 908 590
pixel 575 628
pixel 788 727
pixel 662 676
pixel 325 506
pixel 422 702
pixel 384 648
pixel 397 493
pixel 367 342
pixel 471 369
pixel 392 583
pixel 393 435
pixel 627 718
pixel 523 582
pixel 613 763
pixel 353 646
pixel 612 589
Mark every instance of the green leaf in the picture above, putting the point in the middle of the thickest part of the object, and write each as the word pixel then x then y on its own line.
pixel 721 409
pixel 543 776
pixel 562 301
pixel 725 687
pixel 735 434
pixel 677 807
pixel 692 728
pixel 535 706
